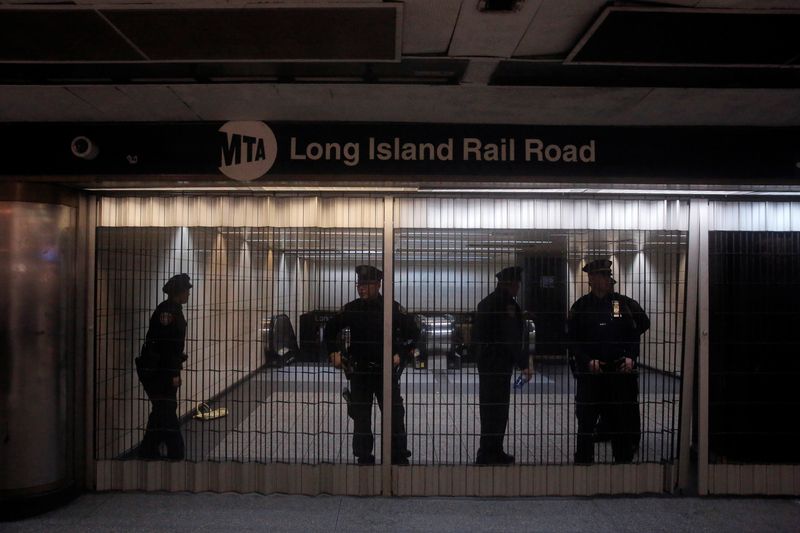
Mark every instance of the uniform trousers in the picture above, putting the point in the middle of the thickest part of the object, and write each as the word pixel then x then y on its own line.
pixel 614 396
pixel 162 424
pixel 363 387
pixel 494 389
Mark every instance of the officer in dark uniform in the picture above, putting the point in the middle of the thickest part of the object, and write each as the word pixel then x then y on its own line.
pixel 604 329
pixel 364 318
pixel 159 367
pixel 498 333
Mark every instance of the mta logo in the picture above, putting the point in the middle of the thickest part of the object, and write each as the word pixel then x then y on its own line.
pixel 247 150
pixel 232 149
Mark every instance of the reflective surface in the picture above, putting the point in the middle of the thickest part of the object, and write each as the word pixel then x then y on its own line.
pixel 37 259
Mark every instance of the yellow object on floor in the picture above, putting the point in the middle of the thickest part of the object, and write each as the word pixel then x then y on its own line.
pixel 204 412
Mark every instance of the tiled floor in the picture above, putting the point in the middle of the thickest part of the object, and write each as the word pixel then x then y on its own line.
pixel 296 414
pixel 126 511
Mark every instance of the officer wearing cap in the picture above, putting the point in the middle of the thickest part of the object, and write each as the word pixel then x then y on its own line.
pixel 498 333
pixel 159 367
pixel 364 317
pixel 604 329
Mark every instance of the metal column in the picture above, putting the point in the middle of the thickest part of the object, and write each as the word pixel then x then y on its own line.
pixel 685 477
pixel 388 298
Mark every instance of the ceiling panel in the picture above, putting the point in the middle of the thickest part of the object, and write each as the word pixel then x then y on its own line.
pixel 25 103
pixel 357 33
pixel 405 104
pixel 660 3
pixel 557 27
pixel 554 73
pixel 748 4
pixel 691 37
pixel 388 91
pixel 490 34
pixel 131 103
pixel 60 35
pixel 422 70
pixel 428 25
pixel 444 104
pixel 725 107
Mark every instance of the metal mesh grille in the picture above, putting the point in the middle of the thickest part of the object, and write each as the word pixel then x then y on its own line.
pixel 246 351
pixel 265 285
pixel 441 275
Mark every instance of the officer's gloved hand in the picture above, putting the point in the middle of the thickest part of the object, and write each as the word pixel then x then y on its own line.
pixel 626 365
pixel 594 366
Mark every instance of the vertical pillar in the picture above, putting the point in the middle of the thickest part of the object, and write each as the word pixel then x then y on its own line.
pixel 686 479
pixel 388 298
pixel 703 354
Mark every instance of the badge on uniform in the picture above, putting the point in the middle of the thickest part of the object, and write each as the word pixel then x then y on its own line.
pixel 165 318
pixel 615 311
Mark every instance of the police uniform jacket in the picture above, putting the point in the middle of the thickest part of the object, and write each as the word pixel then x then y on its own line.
pixel 164 343
pixel 499 332
pixel 606 329
pixel 365 320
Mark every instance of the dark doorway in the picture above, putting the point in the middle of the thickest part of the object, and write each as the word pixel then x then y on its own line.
pixel 754 357
pixel 546 298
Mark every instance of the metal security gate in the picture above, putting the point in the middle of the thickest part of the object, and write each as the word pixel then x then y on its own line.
pixel 551 240
pixel 749 440
pixel 269 272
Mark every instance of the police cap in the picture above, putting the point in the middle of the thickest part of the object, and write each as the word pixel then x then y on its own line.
pixel 598 265
pixel 510 274
pixel 367 273
pixel 177 283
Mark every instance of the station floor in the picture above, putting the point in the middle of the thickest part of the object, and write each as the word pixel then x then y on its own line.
pixel 296 414
pixel 177 512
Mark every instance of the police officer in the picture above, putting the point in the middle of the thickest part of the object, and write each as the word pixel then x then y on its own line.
pixel 498 332
pixel 364 318
pixel 159 367
pixel 604 328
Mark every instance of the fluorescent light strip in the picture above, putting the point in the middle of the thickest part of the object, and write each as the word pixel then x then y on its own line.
pixel 659 192
pixel 368 189
pixel 255 189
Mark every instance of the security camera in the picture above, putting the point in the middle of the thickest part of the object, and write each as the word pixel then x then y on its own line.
pixel 83 148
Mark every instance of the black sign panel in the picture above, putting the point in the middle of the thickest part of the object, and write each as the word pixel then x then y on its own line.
pixel 257 152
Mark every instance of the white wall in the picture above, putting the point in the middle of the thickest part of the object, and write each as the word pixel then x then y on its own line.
pixel 656 278
pixel 223 341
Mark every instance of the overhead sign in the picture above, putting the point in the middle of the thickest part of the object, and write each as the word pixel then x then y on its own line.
pixel 398 150
pixel 248 150
pixel 260 152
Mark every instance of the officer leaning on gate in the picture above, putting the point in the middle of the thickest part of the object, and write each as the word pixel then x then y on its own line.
pixel 159 370
pixel 604 329
pixel 364 318
pixel 498 334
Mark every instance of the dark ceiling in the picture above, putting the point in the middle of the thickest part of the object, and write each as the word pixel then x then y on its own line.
pixel 91 55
